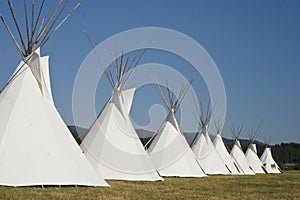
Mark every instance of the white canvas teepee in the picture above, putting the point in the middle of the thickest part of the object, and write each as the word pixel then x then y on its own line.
pixel 251 153
pixel 36 147
pixel 112 145
pixel 253 160
pixel 238 154
pixel 223 153
pixel 208 157
pixel 268 161
pixel 169 149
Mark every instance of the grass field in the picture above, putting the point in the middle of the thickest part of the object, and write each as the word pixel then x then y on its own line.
pixel 279 186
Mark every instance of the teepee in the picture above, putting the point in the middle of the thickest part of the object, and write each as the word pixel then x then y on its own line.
pixel 112 145
pixel 237 152
pixel 220 147
pixel 36 146
pixel 209 159
pixel 268 161
pixel 251 153
pixel 169 150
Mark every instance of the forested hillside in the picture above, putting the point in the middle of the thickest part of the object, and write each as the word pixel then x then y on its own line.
pixel 283 153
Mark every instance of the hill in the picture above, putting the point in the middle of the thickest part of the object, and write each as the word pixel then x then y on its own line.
pixel 283 153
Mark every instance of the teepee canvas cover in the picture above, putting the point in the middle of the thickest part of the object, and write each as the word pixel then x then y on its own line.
pixel 238 154
pixel 268 162
pixel 169 150
pixel 225 156
pixel 253 160
pixel 113 147
pixel 208 157
pixel 251 153
pixel 171 153
pixel 202 146
pixel 36 147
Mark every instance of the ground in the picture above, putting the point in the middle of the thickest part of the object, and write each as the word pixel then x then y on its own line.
pixel 268 186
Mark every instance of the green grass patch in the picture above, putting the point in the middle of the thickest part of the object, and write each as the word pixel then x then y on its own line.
pixel 268 186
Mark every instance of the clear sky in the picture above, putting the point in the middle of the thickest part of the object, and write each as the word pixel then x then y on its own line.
pixel 255 45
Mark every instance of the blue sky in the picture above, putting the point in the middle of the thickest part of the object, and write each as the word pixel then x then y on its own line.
pixel 255 45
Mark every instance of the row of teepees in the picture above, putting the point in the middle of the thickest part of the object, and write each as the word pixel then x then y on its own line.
pixel 36 147
pixel 250 163
pixel 114 148
pixel 214 157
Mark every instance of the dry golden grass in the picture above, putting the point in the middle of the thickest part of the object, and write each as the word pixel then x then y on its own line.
pixel 279 186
